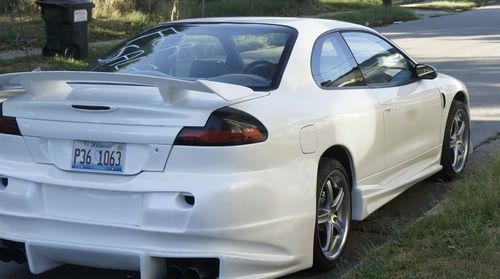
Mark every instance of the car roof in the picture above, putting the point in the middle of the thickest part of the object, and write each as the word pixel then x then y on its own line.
pixel 299 23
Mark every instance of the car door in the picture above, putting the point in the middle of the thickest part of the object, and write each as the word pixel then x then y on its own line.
pixel 411 106
pixel 358 117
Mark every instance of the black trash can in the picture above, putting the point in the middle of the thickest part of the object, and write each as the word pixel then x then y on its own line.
pixel 66 27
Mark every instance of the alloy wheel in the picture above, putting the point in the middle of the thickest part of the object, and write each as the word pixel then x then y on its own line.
pixel 459 141
pixel 334 212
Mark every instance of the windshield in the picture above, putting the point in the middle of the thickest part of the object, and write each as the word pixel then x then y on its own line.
pixel 252 55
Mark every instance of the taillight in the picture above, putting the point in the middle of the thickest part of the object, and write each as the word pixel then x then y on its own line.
pixel 224 127
pixel 8 125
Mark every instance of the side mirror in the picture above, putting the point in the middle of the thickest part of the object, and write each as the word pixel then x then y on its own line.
pixel 425 71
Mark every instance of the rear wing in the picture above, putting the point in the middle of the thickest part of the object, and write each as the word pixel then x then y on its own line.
pixel 39 83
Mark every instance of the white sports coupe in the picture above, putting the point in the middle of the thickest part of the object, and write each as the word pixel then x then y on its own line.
pixel 220 148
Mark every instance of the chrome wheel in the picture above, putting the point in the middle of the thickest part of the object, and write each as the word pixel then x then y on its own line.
pixel 334 214
pixel 459 141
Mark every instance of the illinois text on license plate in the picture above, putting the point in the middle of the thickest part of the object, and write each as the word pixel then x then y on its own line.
pixel 95 155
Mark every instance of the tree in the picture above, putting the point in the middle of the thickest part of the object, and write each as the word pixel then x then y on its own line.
pixel 387 3
pixel 174 15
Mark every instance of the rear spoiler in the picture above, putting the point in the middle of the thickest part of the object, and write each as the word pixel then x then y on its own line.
pixel 38 83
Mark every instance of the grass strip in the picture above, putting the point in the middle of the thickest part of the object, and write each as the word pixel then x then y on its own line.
pixel 99 30
pixel 459 240
pixel 56 63
pixel 443 5
pixel 375 16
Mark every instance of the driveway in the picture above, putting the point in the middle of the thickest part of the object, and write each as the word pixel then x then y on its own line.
pixel 465 45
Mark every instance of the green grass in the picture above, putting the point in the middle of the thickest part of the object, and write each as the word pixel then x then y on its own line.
pixel 99 30
pixel 375 16
pixel 444 5
pixel 56 63
pixel 479 2
pixel 350 5
pixel 10 32
pixel 357 11
pixel 460 240
pixel 448 5
pixel 119 26
pixel 275 8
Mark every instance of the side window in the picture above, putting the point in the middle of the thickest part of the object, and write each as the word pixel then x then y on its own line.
pixel 379 61
pixel 333 64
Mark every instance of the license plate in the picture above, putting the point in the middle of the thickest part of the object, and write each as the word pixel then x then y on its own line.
pixel 95 155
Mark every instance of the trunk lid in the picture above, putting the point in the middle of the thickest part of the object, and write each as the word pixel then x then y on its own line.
pixel 111 98
pixel 56 109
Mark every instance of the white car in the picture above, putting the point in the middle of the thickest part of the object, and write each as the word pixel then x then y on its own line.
pixel 225 147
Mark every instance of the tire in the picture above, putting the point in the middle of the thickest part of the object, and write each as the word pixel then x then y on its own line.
pixel 72 51
pixel 456 142
pixel 331 175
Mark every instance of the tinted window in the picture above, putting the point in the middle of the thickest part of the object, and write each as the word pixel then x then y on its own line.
pixel 379 61
pixel 333 64
pixel 251 55
pixel 201 51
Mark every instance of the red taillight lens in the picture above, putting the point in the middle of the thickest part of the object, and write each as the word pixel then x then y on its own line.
pixel 224 127
pixel 8 125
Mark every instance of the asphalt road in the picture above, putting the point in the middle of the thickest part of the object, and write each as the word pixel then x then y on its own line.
pixel 465 45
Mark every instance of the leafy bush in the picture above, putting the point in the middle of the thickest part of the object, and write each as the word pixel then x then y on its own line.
pixel 193 8
pixel 107 8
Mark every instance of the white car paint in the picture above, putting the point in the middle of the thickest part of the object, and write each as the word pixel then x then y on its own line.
pixel 255 206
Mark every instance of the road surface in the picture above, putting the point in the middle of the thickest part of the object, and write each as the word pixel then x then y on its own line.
pixel 465 45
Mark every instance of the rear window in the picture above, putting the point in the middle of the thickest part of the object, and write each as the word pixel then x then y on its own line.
pixel 252 55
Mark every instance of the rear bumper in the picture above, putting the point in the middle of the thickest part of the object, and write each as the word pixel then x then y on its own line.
pixel 50 243
pixel 248 221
